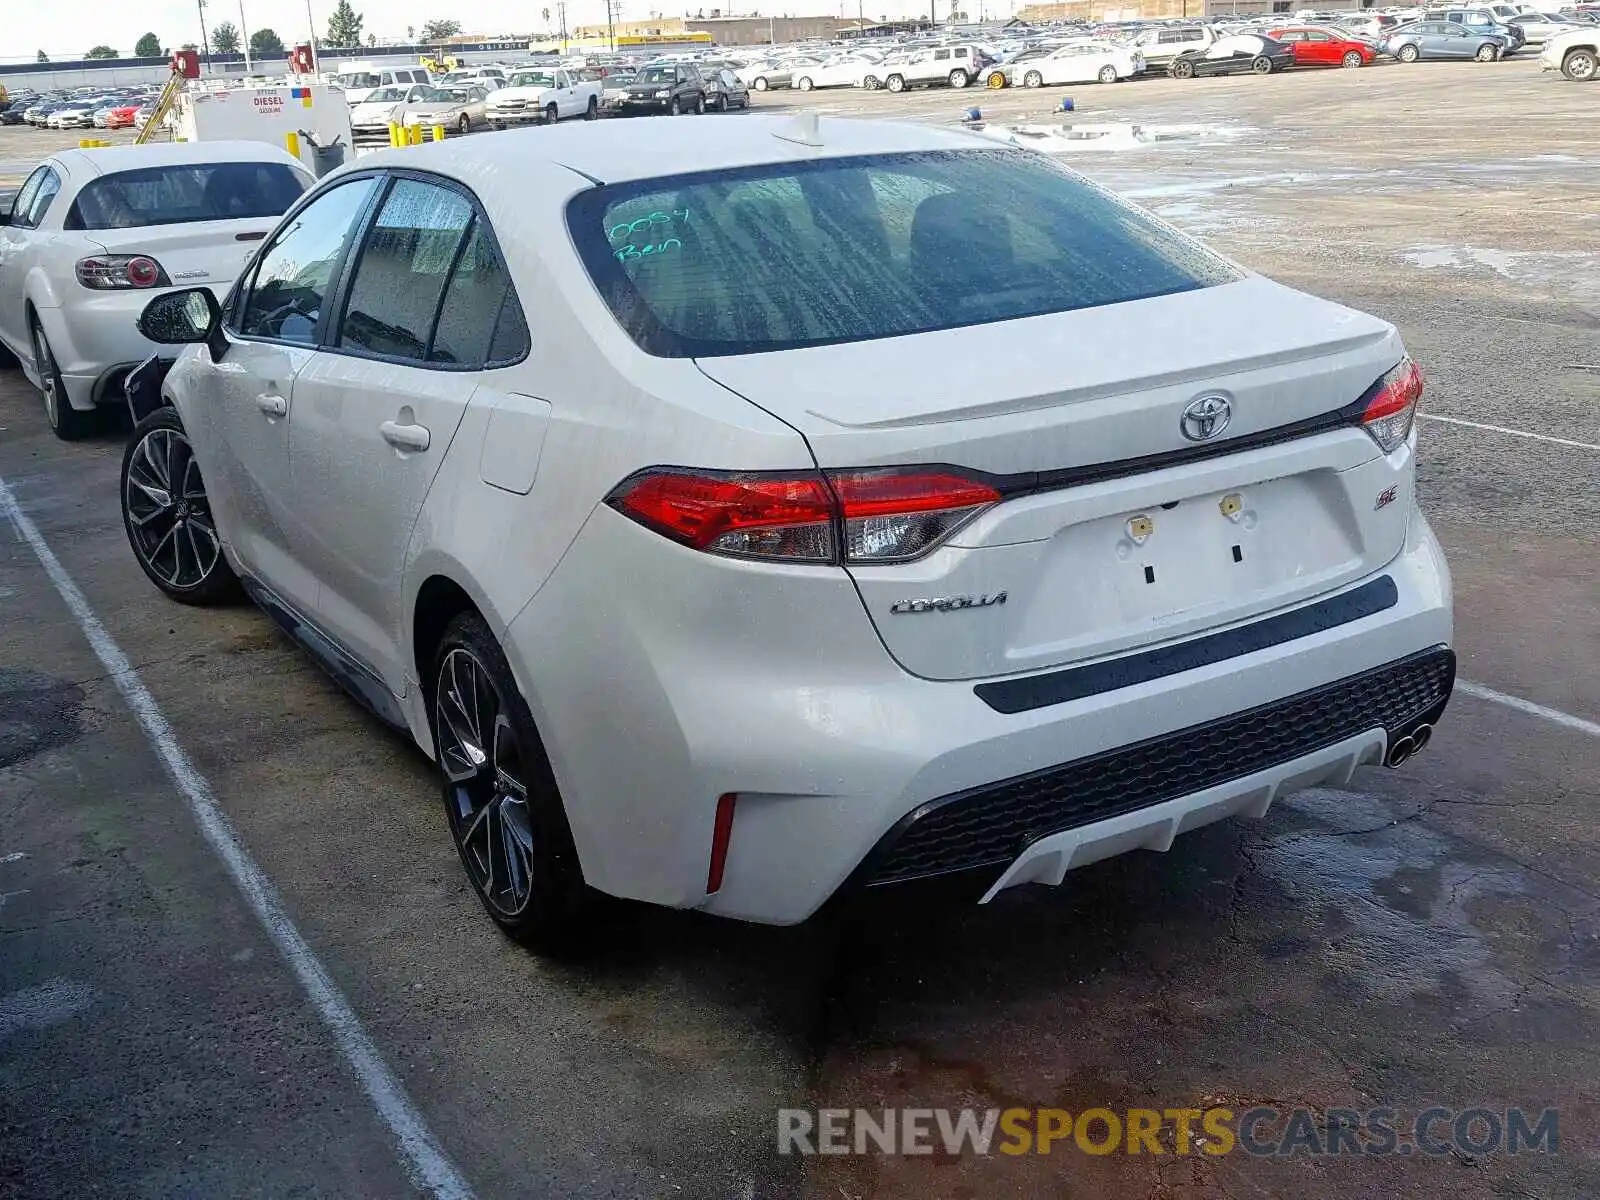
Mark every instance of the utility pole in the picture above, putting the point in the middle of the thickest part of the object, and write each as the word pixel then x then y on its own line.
pixel 311 24
pixel 611 21
pixel 205 38
pixel 244 38
pixel 561 10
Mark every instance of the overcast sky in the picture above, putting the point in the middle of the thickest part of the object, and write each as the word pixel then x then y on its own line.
pixel 66 29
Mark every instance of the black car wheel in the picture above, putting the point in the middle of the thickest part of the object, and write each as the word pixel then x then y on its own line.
pixel 70 424
pixel 1183 69
pixel 464 125
pixel 760 84
pixel 673 107
pixel 1261 65
pixel 504 809
pixel 592 113
pixel 700 103
pixel 870 83
pixel 1408 53
pixel 552 114
pixel 804 83
pixel 168 517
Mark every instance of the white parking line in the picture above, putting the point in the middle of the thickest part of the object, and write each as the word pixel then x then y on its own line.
pixel 1529 707
pixel 1522 433
pixel 425 1161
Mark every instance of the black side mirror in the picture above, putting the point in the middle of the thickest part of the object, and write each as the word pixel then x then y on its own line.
pixel 182 318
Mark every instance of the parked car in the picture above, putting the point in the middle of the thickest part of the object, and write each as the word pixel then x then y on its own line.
pixel 1443 40
pixel 360 80
pixel 122 116
pixel 1480 20
pixel 768 73
pixel 1160 46
pixel 370 119
pixel 616 90
pixel 689 608
pixel 1539 28
pixel 953 65
pixel 1235 55
pixel 851 70
pixel 1081 62
pixel 1574 54
pixel 93 233
pixel 666 87
pixel 725 90
pixel 543 96
pixel 1369 26
pixel 458 109
pixel 1317 47
pixel 77 115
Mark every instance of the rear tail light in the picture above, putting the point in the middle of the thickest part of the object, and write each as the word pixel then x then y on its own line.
pixel 875 516
pixel 1392 406
pixel 117 272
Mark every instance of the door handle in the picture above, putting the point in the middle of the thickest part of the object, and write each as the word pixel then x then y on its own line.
pixel 272 405
pixel 405 437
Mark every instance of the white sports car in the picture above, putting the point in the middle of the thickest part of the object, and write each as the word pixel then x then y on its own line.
pixel 742 512
pixel 1080 62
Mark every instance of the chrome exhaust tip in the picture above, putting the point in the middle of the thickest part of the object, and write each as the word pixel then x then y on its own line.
pixel 1399 751
pixel 1420 737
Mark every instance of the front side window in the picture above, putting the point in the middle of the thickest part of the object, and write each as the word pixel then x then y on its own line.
pixel 849 249
pixel 184 194
pixel 291 285
pixel 404 266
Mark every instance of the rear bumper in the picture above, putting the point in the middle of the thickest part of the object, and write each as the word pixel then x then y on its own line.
pixel 784 697
pixel 96 338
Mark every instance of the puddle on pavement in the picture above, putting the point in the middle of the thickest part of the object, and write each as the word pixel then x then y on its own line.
pixel 1556 272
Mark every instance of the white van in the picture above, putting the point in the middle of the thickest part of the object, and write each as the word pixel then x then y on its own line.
pixel 359 79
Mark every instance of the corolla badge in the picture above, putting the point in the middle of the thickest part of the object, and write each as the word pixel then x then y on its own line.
pixel 1205 416
pixel 947 603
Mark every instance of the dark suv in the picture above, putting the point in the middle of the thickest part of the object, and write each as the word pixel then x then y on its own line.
pixel 666 87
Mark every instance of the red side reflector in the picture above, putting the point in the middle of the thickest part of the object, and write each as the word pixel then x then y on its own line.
pixel 721 832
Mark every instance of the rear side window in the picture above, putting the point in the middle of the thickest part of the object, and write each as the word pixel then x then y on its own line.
pixel 481 322
pixel 401 275
pixel 179 195
pixel 849 249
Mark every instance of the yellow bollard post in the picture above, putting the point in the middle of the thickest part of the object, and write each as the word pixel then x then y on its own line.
pixel 394 135
pixel 438 133
pixel 416 134
pixel 291 141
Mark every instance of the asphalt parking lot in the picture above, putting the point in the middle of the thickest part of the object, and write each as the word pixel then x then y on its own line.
pixel 1427 936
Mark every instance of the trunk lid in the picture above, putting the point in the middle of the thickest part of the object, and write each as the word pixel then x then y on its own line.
pixel 1130 555
pixel 200 254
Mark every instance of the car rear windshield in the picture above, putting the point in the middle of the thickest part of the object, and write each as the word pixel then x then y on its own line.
pixel 181 194
pixel 850 249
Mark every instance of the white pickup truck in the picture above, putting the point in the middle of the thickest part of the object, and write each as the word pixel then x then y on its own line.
pixel 543 96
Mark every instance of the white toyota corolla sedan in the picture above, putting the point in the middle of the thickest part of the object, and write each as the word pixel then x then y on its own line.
pixel 92 233
pixel 660 481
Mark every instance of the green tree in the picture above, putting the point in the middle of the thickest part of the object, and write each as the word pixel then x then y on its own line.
pixel 344 27
pixel 102 52
pixel 225 38
pixel 440 28
pixel 149 46
pixel 43 57
pixel 264 43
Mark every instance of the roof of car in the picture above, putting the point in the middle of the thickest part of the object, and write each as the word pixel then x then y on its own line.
pixel 107 159
pixel 617 151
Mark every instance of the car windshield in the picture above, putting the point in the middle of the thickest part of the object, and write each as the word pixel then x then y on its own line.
pixel 440 96
pixel 848 249
pixel 656 75
pixel 182 194
pixel 386 95
pixel 357 79
pixel 533 79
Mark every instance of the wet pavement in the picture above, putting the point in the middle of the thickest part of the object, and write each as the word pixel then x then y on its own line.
pixel 1424 936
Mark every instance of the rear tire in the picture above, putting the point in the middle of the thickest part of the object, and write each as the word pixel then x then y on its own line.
pixel 1182 69
pixel 760 83
pixel 503 807
pixel 1580 66
pixel 167 516
pixel 870 83
pixel 896 83
pixel 68 423
pixel 959 78
pixel 1261 65
pixel 1408 53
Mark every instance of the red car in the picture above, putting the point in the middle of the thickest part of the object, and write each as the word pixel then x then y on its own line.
pixel 1315 46
pixel 121 118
